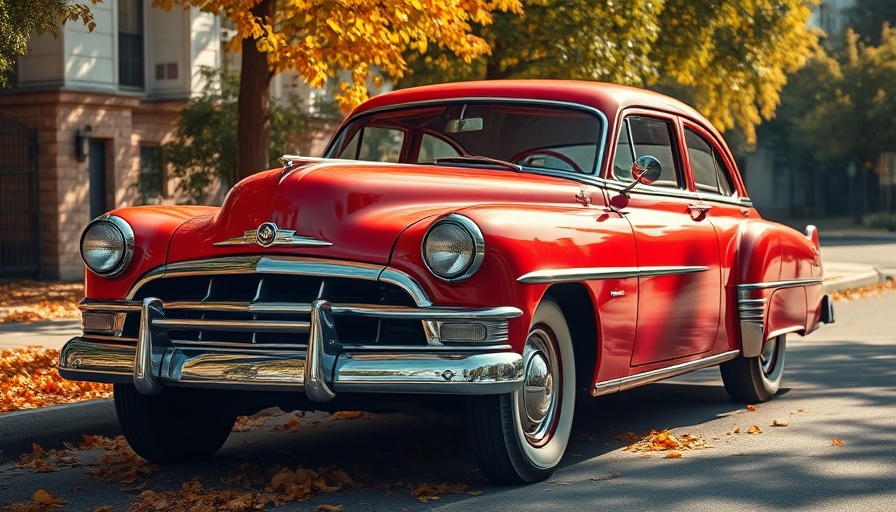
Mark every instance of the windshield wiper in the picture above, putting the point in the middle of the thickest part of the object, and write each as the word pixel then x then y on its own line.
pixel 467 159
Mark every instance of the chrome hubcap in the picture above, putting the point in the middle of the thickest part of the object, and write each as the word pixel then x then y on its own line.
pixel 538 401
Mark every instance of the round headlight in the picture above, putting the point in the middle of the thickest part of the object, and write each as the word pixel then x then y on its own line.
pixel 453 248
pixel 107 245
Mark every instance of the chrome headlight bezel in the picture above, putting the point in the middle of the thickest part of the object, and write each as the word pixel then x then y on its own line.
pixel 469 236
pixel 123 248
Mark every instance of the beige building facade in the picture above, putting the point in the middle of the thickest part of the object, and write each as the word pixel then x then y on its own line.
pixel 97 107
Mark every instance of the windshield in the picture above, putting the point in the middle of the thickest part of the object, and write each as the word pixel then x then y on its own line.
pixel 531 135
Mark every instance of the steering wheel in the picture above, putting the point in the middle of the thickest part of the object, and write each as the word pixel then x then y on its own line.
pixel 527 156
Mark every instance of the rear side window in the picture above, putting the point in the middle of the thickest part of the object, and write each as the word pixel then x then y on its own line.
pixel 645 136
pixel 707 165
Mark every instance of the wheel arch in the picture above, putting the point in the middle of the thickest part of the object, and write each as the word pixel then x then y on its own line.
pixel 578 309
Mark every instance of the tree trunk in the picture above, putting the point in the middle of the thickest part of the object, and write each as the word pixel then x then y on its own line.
pixel 253 125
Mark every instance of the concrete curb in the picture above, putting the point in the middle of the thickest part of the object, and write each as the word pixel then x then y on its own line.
pixel 52 426
pixel 853 282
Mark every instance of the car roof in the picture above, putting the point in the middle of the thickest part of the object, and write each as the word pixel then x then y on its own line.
pixel 609 98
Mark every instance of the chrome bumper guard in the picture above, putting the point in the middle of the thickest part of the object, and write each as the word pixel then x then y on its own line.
pixel 321 371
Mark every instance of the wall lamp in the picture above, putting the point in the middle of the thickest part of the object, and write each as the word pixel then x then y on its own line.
pixel 82 142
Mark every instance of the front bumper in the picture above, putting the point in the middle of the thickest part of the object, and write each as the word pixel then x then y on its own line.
pixel 324 369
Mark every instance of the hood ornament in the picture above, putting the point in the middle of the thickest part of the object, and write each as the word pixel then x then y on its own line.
pixel 268 235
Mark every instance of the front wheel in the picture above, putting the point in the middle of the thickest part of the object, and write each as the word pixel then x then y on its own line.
pixel 520 437
pixel 177 425
pixel 756 379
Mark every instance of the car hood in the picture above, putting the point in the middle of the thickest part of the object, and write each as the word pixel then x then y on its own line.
pixel 358 208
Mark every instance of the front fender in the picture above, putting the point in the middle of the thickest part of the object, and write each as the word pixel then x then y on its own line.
pixel 153 228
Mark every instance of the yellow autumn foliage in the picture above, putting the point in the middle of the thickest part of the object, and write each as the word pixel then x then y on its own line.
pixel 321 38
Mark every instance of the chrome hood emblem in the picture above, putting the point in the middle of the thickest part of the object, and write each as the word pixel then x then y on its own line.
pixel 268 234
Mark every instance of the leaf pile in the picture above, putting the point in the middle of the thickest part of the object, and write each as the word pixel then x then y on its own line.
pixel 29 379
pixel 284 487
pixel 876 290
pixel 31 301
pixel 665 441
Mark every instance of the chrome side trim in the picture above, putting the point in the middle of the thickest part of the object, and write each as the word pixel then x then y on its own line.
pixel 670 271
pixel 612 386
pixel 589 273
pixel 286 237
pixel 780 284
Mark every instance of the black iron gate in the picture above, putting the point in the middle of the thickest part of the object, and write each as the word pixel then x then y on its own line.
pixel 19 235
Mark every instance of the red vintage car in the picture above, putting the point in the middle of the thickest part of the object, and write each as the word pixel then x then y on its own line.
pixel 511 246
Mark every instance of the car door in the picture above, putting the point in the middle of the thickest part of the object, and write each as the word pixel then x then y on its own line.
pixel 677 248
pixel 717 188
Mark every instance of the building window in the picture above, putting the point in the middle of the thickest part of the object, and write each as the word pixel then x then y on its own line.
pixel 151 182
pixel 130 43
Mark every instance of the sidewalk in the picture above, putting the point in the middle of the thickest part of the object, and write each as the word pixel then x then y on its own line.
pixel 51 426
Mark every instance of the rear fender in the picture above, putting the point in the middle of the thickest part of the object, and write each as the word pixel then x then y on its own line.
pixel 779 283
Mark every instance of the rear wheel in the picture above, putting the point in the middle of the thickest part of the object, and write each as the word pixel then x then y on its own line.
pixel 520 437
pixel 177 425
pixel 756 379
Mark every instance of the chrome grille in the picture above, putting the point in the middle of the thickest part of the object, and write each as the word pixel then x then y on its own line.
pixel 270 311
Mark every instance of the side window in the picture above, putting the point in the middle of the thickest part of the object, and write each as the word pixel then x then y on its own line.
pixel 710 173
pixel 432 148
pixel 374 144
pixel 644 136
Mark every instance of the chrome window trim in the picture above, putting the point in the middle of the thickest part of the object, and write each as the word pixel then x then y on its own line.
pixel 616 186
pixel 591 273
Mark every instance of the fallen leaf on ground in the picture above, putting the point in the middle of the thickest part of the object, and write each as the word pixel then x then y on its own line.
pixel 41 501
pixel 429 492
pixel 751 408
pixel 673 455
pixel 350 415
pixel 778 423
pixel 754 429
pixel 837 442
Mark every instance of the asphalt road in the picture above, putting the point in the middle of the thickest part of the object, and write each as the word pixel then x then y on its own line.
pixel 840 383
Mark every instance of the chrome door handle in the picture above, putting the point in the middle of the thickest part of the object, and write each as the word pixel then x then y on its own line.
pixel 698 211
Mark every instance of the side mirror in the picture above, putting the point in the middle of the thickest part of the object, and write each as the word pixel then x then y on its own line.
pixel 646 170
